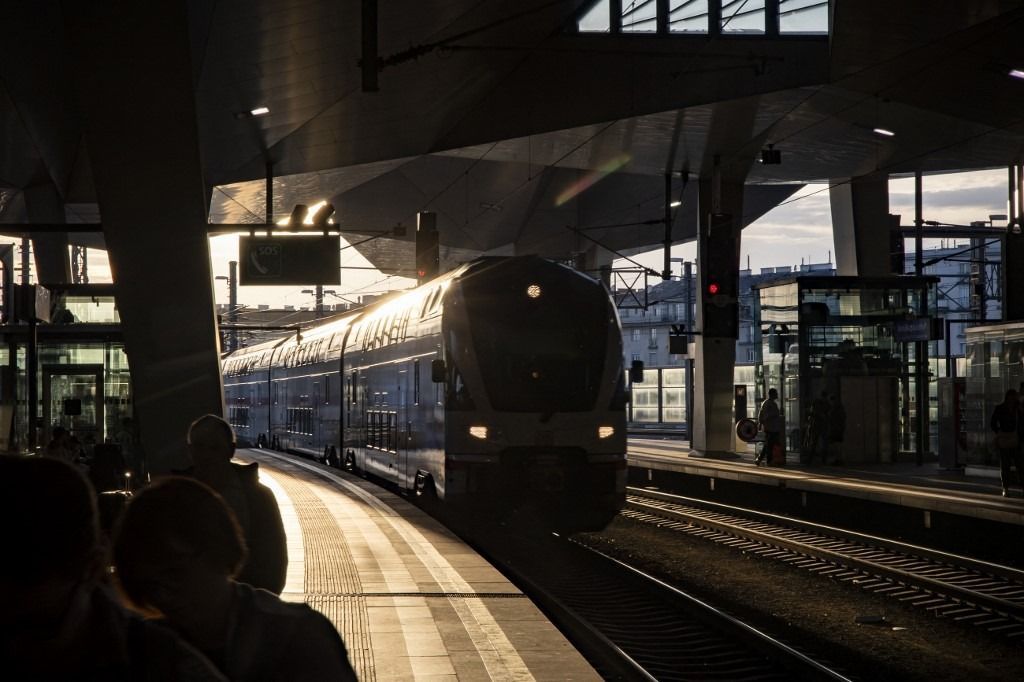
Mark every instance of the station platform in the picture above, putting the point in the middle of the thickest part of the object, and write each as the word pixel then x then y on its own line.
pixel 925 487
pixel 411 600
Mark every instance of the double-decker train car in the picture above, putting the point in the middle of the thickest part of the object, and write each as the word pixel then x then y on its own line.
pixel 499 384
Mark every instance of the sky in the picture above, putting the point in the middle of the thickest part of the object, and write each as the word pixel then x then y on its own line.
pixel 799 230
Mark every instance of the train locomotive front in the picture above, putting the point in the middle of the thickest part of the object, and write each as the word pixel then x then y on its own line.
pixel 535 399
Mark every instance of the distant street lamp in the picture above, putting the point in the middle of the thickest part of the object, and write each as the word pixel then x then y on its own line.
pixel 318 295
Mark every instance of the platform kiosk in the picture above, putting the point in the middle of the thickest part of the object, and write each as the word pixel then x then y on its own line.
pixel 854 347
pixel 81 377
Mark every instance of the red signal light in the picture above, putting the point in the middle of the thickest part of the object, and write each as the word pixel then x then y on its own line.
pixel 713 288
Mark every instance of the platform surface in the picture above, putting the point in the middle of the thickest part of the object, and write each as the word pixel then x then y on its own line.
pixel 411 600
pixel 925 486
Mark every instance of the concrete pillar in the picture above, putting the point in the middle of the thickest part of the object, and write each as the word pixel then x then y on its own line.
pixel 711 427
pixel 43 204
pixel 131 67
pixel 861 225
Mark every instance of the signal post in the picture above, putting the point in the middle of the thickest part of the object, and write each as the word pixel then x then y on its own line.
pixel 720 205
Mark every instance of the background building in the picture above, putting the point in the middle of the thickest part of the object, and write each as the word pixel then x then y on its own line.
pixel 663 399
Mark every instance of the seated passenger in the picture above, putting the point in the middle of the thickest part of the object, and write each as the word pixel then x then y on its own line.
pixel 176 552
pixel 58 620
pixel 211 445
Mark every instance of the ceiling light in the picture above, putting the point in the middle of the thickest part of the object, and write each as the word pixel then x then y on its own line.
pixel 259 111
pixel 883 131
pixel 1016 73
pixel 676 203
pixel 298 215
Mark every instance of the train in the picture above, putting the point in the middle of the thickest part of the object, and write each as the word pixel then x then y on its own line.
pixel 498 385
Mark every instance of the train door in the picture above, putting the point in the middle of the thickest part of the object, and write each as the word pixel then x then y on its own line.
pixel 73 398
pixel 402 407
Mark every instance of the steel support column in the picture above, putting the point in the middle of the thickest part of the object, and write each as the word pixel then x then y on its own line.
pixel 711 428
pixel 860 224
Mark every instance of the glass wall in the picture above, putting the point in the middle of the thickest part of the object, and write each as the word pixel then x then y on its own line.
pixel 84 386
pixel 994 364
pixel 661 399
pixel 862 341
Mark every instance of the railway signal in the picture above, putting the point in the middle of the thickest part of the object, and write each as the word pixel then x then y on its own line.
pixel 720 262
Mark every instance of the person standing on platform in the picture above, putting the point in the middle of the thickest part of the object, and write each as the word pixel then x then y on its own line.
pixel 211 445
pixel 1006 423
pixel 816 438
pixel 769 420
pixel 59 617
pixel 176 552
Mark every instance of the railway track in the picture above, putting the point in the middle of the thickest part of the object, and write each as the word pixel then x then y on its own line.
pixel 633 626
pixel 964 590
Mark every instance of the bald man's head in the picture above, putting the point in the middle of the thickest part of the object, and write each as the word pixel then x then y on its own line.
pixel 210 438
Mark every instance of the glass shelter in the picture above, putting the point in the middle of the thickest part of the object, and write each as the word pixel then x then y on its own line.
pixel 82 377
pixel 995 364
pixel 859 343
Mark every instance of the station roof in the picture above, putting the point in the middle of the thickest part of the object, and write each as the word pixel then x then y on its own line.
pixel 522 134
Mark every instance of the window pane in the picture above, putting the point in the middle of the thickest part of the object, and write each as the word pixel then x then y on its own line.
pixel 639 16
pixel 597 20
pixel 742 16
pixel 803 16
pixel 688 16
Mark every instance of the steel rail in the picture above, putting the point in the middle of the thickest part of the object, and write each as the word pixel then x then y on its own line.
pixel 933 577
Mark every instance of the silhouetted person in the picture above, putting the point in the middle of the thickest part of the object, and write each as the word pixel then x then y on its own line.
pixel 176 552
pixel 1006 422
pixel 815 440
pixel 60 446
pixel 211 444
pixel 58 620
pixel 769 420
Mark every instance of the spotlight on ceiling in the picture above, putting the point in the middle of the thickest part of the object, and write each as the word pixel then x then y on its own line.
pixel 1016 73
pixel 885 132
pixel 298 215
pixel 322 214
pixel 770 156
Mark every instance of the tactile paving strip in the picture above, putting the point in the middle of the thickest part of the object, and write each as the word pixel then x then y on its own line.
pixel 332 584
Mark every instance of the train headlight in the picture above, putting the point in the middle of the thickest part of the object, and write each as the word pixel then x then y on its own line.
pixel 478 432
pixel 533 291
pixel 605 431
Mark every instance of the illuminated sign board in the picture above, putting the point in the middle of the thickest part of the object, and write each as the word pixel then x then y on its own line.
pixel 293 260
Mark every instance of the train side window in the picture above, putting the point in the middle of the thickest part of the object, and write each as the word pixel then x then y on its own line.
pixel 416 382
pixel 352 383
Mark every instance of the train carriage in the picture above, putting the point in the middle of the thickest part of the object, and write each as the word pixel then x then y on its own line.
pixel 499 384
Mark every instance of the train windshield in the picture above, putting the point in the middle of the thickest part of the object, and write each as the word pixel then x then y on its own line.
pixel 540 336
